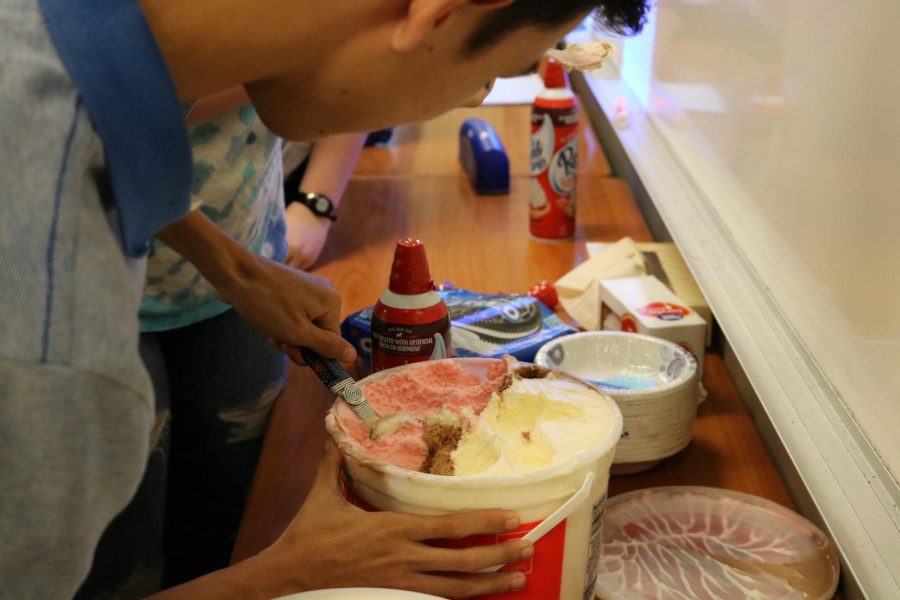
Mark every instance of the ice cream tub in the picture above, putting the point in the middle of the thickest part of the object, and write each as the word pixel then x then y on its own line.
pixel 654 381
pixel 531 440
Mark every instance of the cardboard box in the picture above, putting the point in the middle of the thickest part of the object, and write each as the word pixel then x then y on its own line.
pixel 644 305
pixel 664 261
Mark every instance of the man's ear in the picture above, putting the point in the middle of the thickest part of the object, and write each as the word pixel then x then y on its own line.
pixel 423 16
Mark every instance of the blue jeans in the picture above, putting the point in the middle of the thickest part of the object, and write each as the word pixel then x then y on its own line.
pixel 215 383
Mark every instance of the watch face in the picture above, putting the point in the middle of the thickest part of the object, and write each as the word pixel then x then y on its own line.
pixel 320 205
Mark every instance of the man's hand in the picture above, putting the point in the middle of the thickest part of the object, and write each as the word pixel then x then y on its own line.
pixel 291 306
pixel 288 305
pixel 306 234
pixel 331 543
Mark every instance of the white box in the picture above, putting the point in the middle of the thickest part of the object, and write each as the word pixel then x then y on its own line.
pixel 644 305
pixel 664 261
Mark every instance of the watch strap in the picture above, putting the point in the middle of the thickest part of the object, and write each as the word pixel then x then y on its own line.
pixel 319 204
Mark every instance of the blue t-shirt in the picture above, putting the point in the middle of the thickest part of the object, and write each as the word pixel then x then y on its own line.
pixel 94 157
pixel 110 53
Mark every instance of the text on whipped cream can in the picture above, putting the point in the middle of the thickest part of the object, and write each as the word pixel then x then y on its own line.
pixel 554 159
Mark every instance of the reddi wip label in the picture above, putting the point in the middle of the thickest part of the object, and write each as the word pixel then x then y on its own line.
pixel 395 344
pixel 554 159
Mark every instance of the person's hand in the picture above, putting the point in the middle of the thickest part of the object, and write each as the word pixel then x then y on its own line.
pixel 306 235
pixel 291 307
pixel 288 305
pixel 331 543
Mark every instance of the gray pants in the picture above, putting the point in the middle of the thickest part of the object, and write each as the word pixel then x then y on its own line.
pixel 215 382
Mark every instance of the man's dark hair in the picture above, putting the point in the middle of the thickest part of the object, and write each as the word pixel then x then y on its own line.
pixel 621 16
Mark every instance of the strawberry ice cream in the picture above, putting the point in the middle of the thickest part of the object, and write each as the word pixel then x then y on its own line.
pixel 436 392
pixel 513 419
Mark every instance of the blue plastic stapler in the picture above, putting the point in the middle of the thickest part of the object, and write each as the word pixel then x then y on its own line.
pixel 483 157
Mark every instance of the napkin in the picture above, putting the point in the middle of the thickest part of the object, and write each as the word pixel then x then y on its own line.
pixel 579 289
pixel 583 57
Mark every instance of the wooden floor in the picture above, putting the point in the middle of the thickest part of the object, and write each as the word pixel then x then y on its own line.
pixel 416 188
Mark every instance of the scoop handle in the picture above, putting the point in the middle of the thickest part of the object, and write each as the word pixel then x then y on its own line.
pixel 329 371
pixel 338 380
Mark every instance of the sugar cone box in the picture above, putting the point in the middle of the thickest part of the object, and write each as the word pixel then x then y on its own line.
pixel 645 305
pixel 664 261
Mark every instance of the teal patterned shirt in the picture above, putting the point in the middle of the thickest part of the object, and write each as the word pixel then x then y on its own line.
pixel 238 185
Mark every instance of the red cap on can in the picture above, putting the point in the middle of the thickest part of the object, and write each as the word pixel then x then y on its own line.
pixel 554 75
pixel 409 273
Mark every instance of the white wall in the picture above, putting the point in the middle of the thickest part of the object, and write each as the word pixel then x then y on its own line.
pixel 788 113
pixel 767 133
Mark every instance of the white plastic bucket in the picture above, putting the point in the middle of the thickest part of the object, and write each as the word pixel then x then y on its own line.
pixel 565 560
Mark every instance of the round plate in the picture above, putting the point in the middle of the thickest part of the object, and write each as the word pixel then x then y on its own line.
pixel 710 543
pixel 359 594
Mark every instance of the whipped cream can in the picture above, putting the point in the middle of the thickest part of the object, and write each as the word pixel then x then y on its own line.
pixel 554 158
pixel 410 322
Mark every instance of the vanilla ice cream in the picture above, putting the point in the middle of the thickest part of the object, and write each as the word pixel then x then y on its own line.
pixel 531 425
pixel 517 419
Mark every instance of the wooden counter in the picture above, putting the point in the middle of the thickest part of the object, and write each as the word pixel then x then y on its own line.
pixel 430 148
pixel 416 188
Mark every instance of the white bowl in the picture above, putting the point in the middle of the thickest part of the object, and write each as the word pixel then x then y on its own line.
pixel 654 382
pixel 359 594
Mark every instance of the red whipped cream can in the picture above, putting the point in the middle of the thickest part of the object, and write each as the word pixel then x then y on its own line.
pixel 554 158
pixel 410 322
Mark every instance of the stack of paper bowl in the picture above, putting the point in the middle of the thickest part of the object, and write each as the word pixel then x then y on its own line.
pixel 654 382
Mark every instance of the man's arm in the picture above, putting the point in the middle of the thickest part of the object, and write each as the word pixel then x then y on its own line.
pixel 331 543
pixel 290 306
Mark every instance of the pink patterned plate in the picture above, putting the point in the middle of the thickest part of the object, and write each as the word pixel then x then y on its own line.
pixel 698 543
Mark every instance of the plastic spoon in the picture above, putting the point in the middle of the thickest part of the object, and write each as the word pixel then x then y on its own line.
pixel 556 516
pixel 338 380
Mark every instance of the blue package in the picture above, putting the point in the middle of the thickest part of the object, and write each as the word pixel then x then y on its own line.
pixel 484 325
pixel 483 157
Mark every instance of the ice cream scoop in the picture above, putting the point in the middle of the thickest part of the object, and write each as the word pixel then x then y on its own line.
pixel 338 380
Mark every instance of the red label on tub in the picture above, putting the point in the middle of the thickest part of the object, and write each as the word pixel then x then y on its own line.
pixel 665 311
pixel 543 570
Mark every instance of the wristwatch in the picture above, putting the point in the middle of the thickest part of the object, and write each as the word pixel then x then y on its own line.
pixel 320 204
